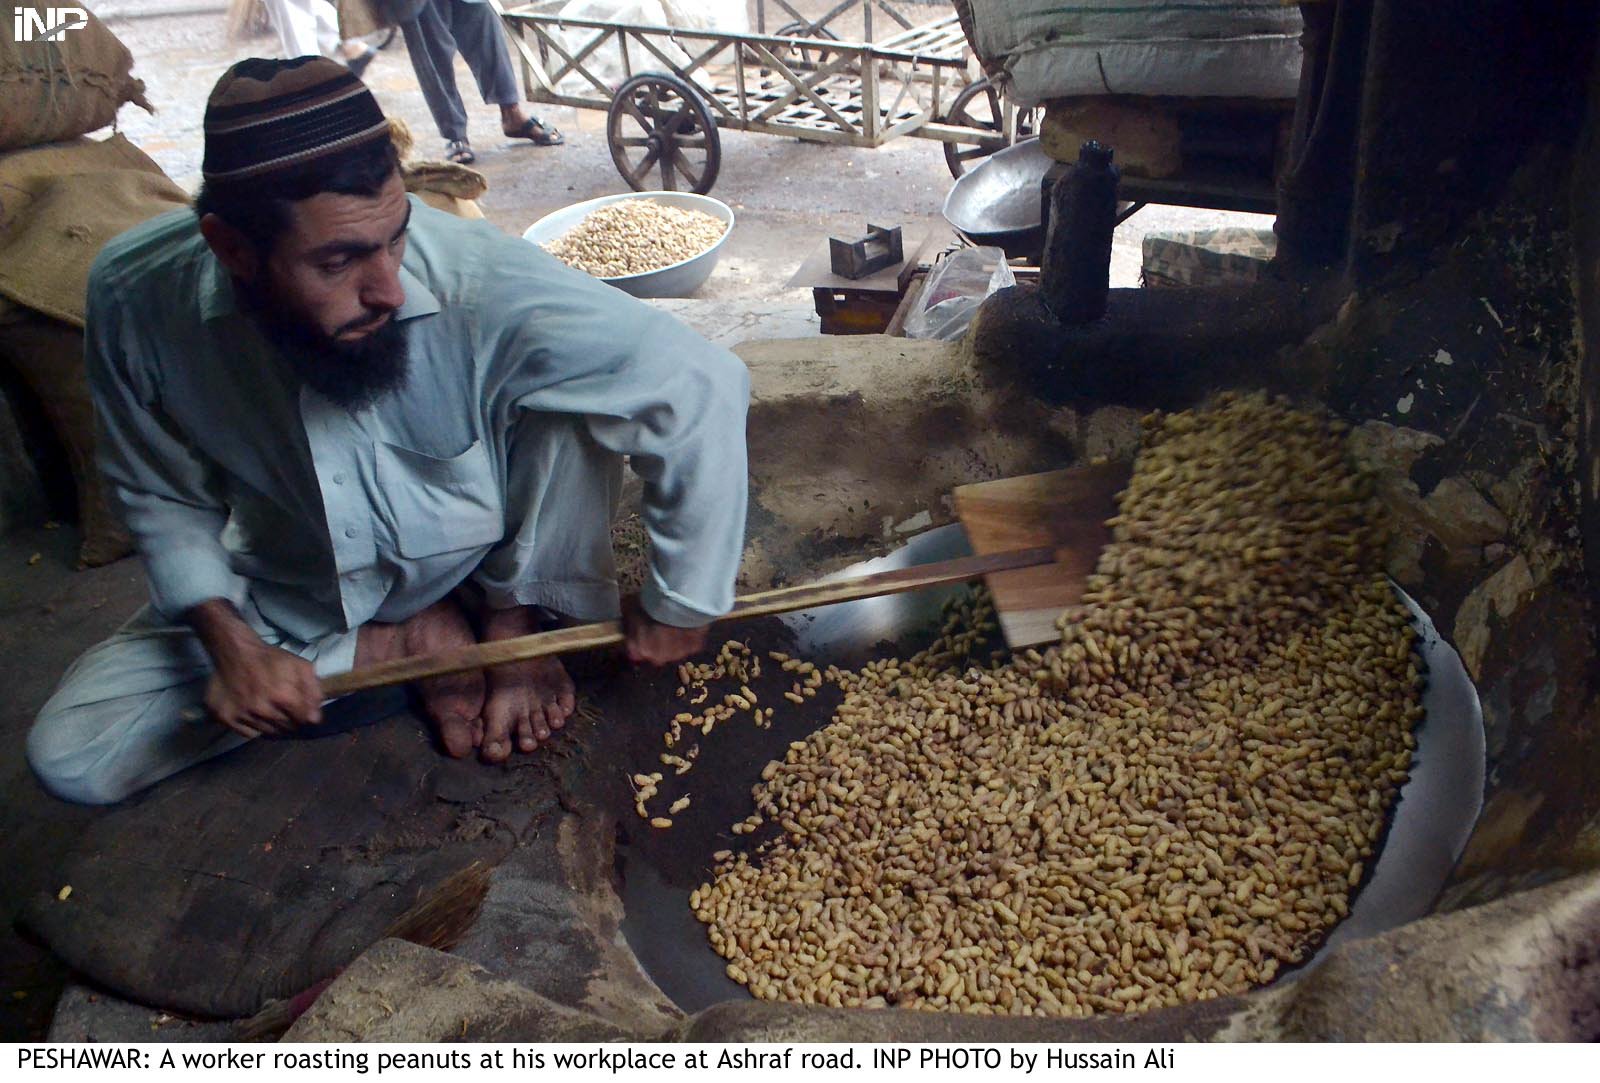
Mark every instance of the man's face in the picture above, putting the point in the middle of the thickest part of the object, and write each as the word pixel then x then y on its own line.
pixel 328 291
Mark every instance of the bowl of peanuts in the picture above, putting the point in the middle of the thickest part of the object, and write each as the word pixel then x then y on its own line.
pixel 649 244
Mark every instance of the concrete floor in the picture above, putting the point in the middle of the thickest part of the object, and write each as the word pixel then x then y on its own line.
pixel 788 194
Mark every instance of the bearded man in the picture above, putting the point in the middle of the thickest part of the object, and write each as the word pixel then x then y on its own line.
pixel 344 427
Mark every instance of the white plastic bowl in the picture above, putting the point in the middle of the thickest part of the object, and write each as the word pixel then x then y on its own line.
pixel 676 280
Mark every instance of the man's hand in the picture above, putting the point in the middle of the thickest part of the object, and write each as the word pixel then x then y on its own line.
pixel 264 691
pixel 256 689
pixel 648 640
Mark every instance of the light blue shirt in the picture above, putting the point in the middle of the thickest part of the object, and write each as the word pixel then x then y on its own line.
pixel 498 460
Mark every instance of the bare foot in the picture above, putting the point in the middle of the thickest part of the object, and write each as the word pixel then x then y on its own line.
pixel 526 701
pixel 454 703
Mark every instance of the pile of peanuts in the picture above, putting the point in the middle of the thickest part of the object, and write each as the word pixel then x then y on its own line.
pixel 635 236
pixel 1172 804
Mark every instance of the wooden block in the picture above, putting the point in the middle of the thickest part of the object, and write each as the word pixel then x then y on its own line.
pixel 1065 509
pixel 897 323
pixel 1144 136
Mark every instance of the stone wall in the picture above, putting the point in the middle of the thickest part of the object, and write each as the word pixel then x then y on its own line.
pixel 1586 272
pixel 1465 381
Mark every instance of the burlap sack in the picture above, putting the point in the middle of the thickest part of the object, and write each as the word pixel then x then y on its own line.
pixel 48 355
pixel 446 185
pixel 446 178
pixel 60 89
pixel 59 205
pixel 461 208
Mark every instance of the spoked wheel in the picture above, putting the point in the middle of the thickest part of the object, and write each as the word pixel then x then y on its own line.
pixel 979 106
pixel 662 136
pixel 804 56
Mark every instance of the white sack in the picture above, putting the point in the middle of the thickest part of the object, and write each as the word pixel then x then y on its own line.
pixel 1199 48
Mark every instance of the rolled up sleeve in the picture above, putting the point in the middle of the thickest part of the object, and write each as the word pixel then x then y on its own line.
pixel 687 443
pixel 163 489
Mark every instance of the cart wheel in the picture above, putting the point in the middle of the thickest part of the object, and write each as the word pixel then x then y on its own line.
pixel 979 106
pixel 658 124
pixel 804 56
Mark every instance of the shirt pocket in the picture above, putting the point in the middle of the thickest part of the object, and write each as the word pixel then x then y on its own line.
pixel 440 505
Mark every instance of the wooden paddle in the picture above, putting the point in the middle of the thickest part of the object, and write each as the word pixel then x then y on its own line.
pixel 606 633
pixel 1065 510
pixel 1037 539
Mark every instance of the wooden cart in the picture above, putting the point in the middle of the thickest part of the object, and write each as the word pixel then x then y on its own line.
pixel 668 92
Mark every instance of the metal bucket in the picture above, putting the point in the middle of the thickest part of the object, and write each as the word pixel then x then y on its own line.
pixel 999 203
pixel 675 280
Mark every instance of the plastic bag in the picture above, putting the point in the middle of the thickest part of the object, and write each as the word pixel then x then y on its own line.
pixel 955 289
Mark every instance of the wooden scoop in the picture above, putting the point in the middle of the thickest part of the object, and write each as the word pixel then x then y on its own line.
pixel 605 633
pixel 1065 510
pixel 1037 539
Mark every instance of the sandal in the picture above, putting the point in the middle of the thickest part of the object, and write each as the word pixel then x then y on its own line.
pixel 459 152
pixel 541 136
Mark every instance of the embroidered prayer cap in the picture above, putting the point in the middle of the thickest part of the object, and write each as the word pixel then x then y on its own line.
pixel 265 116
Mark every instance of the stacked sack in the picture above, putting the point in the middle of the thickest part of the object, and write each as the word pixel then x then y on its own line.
pixel 57 89
pixel 62 197
pixel 446 185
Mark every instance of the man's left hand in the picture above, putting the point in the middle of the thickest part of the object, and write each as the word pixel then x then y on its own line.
pixel 648 640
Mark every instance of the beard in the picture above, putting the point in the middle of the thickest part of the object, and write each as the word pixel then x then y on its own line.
pixel 351 374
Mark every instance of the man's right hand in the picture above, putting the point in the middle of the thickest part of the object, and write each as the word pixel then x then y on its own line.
pixel 264 691
pixel 256 689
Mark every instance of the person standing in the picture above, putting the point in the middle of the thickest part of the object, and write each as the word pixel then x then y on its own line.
pixel 435 30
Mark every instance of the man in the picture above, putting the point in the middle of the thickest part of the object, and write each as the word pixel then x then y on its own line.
pixel 345 428
pixel 435 30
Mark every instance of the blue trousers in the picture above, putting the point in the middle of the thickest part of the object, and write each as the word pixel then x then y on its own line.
pixel 440 29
